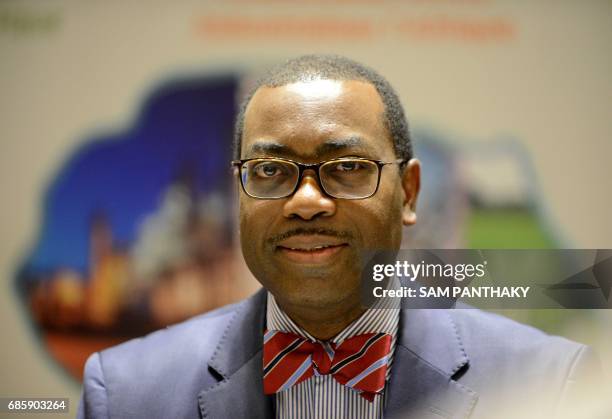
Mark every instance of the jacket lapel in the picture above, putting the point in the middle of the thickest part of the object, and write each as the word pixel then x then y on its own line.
pixel 237 362
pixel 428 356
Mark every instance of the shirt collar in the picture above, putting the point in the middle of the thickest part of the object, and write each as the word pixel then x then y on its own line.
pixel 382 317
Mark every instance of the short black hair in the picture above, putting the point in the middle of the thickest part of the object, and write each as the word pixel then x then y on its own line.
pixel 334 67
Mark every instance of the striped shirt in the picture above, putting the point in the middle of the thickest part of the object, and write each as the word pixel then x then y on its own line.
pixel 321 396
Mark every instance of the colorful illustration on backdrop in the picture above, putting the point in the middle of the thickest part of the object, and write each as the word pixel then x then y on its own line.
pixel 136 232
pixel 137 227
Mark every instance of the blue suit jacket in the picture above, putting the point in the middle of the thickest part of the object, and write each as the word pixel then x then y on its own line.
pixel 448 364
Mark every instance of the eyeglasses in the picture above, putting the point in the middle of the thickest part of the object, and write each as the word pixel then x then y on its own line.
pixel 344 178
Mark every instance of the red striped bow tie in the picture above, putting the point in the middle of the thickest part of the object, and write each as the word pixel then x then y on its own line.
pixel 359 362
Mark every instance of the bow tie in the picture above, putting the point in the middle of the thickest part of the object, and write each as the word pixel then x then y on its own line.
pixel 359 362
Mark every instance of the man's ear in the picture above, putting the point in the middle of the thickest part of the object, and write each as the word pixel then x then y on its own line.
pixel 411 184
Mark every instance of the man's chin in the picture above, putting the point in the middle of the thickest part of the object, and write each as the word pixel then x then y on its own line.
pixel 316 274
pixel 317 298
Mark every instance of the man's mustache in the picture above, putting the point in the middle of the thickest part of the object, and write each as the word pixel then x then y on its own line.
pixel 302 231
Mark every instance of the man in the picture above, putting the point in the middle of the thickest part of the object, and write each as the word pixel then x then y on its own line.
pixel 326 171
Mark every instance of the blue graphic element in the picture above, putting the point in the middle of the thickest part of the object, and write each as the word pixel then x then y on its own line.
pixel 183 130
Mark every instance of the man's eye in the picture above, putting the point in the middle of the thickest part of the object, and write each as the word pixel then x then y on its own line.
pixel 267 170
pixel 348 166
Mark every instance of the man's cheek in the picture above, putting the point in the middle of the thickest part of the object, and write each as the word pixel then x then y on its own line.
pixel 369 218
pixel 380 228
pixel 248 217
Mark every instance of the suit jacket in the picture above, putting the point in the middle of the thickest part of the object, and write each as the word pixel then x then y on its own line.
pixel 447 364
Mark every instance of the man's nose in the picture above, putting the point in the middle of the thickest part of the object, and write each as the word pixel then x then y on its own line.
pixel 309 201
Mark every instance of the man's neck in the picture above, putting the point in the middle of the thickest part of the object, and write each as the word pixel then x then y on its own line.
pixel 323 324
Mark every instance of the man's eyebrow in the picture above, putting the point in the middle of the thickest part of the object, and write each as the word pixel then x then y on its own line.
pixel 269 147
pixel 339 144
pixel 273 148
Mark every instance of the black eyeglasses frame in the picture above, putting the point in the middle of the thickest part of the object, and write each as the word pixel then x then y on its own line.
pixel 237 165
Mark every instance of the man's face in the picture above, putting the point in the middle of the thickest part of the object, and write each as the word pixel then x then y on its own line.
pixel 305 248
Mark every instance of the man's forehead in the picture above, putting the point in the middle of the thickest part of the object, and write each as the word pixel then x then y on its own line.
pixel 318 90
pixel 344 111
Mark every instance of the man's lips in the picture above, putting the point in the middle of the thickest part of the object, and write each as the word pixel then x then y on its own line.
pixel 310 242
pixel 310 248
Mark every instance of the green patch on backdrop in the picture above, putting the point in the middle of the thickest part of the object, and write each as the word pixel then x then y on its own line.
pixel 506 229
pixel 520 229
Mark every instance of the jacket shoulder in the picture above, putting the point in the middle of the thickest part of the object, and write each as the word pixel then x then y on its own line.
pixel 517 366
pixel 159 373
pixel 173 345
pixel 485 332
